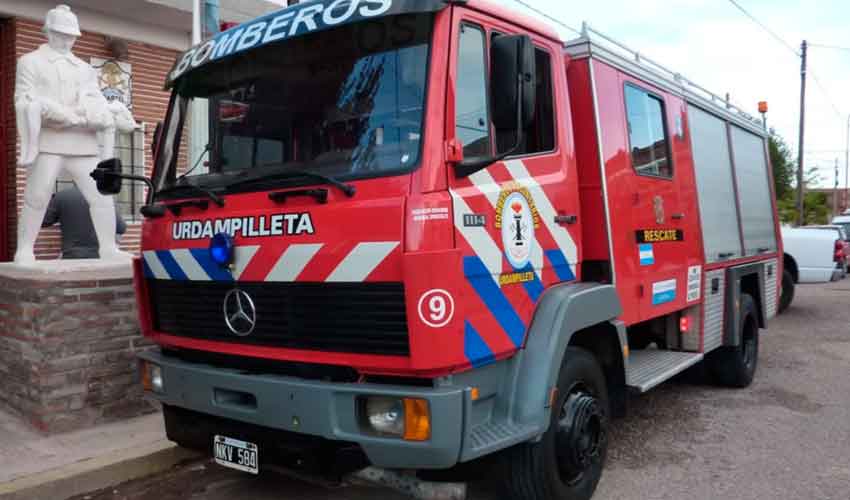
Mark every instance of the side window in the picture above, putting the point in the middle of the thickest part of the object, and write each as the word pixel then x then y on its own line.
pixel 540 136
pixel 471 107
pixel 650 150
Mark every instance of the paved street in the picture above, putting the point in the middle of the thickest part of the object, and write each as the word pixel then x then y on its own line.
pixel 786 437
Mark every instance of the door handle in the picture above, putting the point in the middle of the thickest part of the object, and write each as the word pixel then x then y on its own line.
pixel 566 219
pixel 678 216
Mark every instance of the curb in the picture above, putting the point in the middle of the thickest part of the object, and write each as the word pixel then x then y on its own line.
pixel 96 473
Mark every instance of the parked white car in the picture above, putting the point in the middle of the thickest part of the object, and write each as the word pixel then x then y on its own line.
pixel 810 257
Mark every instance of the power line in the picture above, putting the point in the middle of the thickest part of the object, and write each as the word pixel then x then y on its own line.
pixel 768 30
pixel 547 16
pixel 826 94
pixel 827 46
pixel 794 51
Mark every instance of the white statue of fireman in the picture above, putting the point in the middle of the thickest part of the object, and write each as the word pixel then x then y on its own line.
pixel 61 115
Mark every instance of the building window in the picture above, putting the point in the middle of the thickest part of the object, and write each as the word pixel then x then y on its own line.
pixel 539 137
pixel 648 141
pixel 130 149
pixel 472 119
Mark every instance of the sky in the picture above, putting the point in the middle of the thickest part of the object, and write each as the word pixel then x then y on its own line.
pixel 715 45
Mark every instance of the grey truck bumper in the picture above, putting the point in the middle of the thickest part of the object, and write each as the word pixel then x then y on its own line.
pixel 315 408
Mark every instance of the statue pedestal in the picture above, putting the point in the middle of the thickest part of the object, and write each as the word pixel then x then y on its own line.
pixel 69 336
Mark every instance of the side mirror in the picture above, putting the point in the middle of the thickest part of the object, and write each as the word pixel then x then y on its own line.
pixel 157 135
pixel 513 82
pixel 107 175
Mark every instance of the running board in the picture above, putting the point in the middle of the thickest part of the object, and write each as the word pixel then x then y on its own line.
pixel 649 367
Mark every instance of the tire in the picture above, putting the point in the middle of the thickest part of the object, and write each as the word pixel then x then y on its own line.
pixel 567 462
pixel 787 295
pixel 736 366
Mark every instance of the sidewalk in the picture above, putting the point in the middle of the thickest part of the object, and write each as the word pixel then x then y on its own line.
pixel 34 466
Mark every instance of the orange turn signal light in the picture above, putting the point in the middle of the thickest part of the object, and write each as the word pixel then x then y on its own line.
pixel 146 376
pixel 417 420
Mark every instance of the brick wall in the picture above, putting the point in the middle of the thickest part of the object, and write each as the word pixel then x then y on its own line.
pixel 68 350
pixel 150 65
pixel 7 132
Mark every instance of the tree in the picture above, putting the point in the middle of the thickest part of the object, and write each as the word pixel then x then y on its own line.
pixel 784 174
pixel 783 166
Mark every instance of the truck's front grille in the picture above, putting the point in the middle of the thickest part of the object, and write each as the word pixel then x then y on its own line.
pixel 364 318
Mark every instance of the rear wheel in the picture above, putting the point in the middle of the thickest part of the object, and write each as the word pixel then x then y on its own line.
pixel 736 366
pixel 567 462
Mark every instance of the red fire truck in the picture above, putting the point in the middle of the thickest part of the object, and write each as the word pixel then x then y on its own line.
pixel 424 234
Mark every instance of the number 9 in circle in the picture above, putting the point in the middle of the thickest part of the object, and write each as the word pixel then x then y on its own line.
pixel 436 308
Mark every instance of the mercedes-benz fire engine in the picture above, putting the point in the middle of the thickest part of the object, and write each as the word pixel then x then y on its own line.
pixel 428 233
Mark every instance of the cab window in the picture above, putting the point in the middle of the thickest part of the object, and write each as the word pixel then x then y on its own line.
pixel 648 138
pixel 472 120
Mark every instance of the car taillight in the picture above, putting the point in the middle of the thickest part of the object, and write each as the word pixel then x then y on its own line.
pixel 839 251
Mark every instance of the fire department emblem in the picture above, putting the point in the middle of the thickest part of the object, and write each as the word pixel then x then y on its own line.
pixel 240 315
pixel 658 207
pixel 517 218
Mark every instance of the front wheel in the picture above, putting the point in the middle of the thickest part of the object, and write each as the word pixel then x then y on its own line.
pixel 567 462
pixel 735 366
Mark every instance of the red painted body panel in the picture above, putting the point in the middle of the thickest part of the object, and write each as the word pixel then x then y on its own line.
pixel 594 236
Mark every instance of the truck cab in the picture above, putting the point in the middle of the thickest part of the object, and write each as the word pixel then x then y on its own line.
pixel 414 234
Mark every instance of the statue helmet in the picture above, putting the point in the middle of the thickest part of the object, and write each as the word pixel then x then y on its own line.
pixel 61 20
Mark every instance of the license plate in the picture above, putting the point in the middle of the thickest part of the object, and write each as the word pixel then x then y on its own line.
pixel 236 454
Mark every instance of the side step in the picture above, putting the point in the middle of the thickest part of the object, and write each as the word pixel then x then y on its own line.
pixel 649 367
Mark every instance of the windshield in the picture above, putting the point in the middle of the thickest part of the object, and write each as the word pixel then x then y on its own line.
pixel 346 103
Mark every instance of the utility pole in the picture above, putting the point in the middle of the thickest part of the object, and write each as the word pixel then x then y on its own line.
pixel 800 188
pixel 835 191
pixel 847 168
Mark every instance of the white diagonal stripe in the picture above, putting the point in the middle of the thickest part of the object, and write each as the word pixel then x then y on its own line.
pixel 547 211
pixel 189 265
pixel 492 190
pixel 242 256
pixel 487 185
pixel 477 237
pixel 292 262
pixel 361 261
pixel 156 266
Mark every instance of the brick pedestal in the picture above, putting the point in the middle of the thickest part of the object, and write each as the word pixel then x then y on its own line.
pixel 69 336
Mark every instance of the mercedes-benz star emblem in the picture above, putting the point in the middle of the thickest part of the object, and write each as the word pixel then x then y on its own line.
pixel 239 312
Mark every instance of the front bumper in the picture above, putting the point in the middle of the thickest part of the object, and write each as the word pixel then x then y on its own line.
pixel 315 408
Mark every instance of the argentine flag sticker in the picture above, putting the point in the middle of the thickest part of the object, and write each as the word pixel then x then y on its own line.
pixel 646 254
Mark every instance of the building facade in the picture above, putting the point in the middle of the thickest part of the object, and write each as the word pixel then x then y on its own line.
pixel 133 43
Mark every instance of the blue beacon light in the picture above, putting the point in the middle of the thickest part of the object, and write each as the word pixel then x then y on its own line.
pixel 221 249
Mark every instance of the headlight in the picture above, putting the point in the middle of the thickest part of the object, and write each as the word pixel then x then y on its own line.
pixel 406 418
pixel 152 378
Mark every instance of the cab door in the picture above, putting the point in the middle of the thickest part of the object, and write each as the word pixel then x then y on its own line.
pixel 512 219
pixel 664 212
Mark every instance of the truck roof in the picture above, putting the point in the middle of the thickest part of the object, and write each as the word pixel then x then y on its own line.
pixel 528 22
pixel 595 44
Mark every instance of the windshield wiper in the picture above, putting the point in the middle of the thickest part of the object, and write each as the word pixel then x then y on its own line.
pixel 207 149
pixel 218 200
pixel 290 173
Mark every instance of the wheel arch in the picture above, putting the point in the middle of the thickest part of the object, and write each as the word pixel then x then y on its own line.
pixel 749 279
pixel 579 314
pixel 603 341
pixel 790 264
